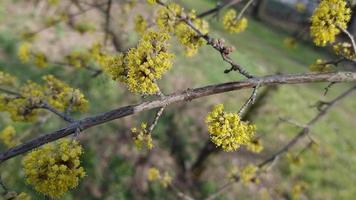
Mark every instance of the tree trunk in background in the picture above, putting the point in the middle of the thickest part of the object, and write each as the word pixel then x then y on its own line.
pixel 257 8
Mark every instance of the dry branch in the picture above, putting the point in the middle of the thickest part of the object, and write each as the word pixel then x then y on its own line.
pixel 186 95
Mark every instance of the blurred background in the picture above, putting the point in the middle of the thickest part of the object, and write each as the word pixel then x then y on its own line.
pixel 276 41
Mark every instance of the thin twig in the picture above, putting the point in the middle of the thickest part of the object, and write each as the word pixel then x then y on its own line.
pixel 183 96
pixel 250 101
pixel 62 115
pixel 43 105
pixel 155 121
pixel 244 9
pixel 7 91
pixel 352 39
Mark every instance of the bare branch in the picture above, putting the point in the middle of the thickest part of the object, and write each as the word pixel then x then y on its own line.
pixel 186 95
pixel 244 9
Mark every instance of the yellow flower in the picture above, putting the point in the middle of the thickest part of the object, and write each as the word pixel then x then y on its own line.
pixel 7 135
pixel 255 145
pixel 54 92
pixel 297 189
pixel 227 130
pixel 61 96
pixel 189 38
pixel 146 63
pixel 40 59
pixel 140 24
pixel 153 174
pixel 24 52
pixel 166 180
pixel 142 137
pixel 49 173
pixel 345 50
pixel 321 66
pixel 78 59
pixel 300 7
pixel 248 174
pixel 232 24
pixel 7 79
pixel 142 66
pixel 326 20
pixel 168 17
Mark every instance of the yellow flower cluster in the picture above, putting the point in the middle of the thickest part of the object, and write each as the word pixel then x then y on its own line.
pixel 248 174
pixel 189 38
pixel 298 189
pixel 60 95
pixel 78 59
pixel 169 20
pixel 54 168
pixel 7 79
pixel 7 136
pixel 255 146
pixel 227 130
pixel 345 50
pixel 24 52
pixel 21 108
pixel 142 66
pixel 300 7
pixel 327 19
pixel 321 66
pixel 155 175
pixel 54 92
pixel 26 55
pixel 142 137
pixel 232 24
pixel 168 17
pixel 140 24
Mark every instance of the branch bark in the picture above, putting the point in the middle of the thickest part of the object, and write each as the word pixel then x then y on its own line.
pixel 186 95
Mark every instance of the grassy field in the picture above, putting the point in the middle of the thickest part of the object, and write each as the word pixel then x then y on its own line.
pixel 329 173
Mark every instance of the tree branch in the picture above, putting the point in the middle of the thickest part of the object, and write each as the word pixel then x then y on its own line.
pixel 186 95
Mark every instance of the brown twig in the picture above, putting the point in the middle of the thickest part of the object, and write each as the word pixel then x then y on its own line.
pixel 42 105
pixel 186 95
